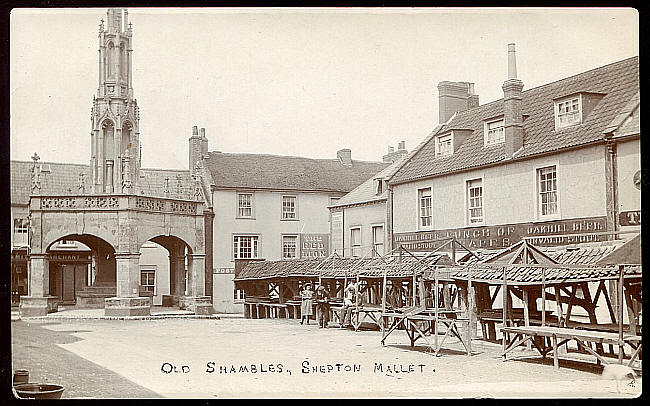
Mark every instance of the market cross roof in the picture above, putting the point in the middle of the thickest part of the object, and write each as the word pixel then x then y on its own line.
pixel 63 179
pixel 263 171
pixel 619 82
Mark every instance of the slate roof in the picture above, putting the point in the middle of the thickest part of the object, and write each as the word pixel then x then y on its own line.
pixel 338 267
pixel 366 192
pixel 64 180
pixel 262 171
pixel 619 82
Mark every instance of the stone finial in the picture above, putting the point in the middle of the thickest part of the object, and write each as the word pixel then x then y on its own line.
pixel 179 186
pixel 101 25
pixel 36 174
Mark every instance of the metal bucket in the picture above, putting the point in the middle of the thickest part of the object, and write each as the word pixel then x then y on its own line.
pixel 21 376
pixel 39 391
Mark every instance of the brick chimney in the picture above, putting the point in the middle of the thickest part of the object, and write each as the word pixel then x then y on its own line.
pixel 454 97
pixel 345 156
pixel 393 155
pixel 512 114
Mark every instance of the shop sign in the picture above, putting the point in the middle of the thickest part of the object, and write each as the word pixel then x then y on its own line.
pixel 314 245
pixel 503 236
pixel 69 257
pixel 630 218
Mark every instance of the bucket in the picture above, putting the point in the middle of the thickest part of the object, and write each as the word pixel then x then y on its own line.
pixel 39 391
pixel 21 376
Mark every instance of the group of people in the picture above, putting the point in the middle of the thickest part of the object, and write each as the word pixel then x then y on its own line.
pixel 322 297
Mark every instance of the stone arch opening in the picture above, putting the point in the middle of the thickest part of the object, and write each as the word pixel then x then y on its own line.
pixel 168 282
pixel 82 270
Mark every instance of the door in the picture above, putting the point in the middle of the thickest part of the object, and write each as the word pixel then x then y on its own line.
pixel 68 289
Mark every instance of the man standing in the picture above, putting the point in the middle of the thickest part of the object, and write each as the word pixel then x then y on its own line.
pixel 322 306
pixel 349 296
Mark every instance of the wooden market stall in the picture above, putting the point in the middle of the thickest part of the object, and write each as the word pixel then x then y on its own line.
pixel 272 288
pixel 534 277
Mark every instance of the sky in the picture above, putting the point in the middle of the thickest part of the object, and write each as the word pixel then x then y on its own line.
pixel 304 82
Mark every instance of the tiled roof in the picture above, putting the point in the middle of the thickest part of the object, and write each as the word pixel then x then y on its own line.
pixel 366 192
pixel 619 82
pixel 262 171
pixel 339 267
pixel 63 179
pixel 532 275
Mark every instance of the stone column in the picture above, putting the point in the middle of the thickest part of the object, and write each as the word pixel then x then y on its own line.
pixel 38 302
pixel 178 261
pixel 128 301
pixel 196 300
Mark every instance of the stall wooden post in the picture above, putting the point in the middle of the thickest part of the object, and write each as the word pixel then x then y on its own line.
pixel 504 292
pixel 436 306
pixel 413 289
pixel 526 313
pixel 471 312
pixel 356 298
pixel 383 302
pixel 543 297
pixel 620 314
pixel 558 307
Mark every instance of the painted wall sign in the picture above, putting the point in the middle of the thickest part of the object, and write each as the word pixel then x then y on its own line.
pixel 630 218
pixel 70 257
pixel 314 245
pixel 502 236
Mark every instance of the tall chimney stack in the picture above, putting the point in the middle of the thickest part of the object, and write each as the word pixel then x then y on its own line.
pixel 345 156
pixel 195 149
pixel 512 114
pixel 454 97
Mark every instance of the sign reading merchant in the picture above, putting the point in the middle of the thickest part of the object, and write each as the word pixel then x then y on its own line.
pixel 69 257
pixel 314 245
pixel 502 236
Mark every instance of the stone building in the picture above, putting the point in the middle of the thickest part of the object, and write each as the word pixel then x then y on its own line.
pixel 272 207
pixel 112 207
pixel 561 158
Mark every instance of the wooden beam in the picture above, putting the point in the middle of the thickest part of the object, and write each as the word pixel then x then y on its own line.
pixel 558 307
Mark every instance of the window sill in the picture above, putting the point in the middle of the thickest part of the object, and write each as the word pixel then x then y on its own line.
pixel 296 219
pixel 244 218
pixel 549 217
pixel 238 301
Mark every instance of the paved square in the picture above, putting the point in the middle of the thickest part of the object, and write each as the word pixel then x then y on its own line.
pixel 235 357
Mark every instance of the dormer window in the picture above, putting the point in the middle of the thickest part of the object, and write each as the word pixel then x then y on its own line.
pixel 568 112
pixel 494 133
pixel 444 145
pixel 379 186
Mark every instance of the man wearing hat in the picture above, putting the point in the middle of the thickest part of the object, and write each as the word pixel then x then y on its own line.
pixel 322 306
pixel 349 296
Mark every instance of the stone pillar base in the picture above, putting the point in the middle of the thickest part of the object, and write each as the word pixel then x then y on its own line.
pixel 35 306
pixel 127 306
pixel 169 300
pixel 196 304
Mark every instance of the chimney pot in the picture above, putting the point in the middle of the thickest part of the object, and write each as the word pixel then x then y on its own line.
pixel 401 146
pixel 391 149
pixel 195 130
pixel 202 132
pixel 512 62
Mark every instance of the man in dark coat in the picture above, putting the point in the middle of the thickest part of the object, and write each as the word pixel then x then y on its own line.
pixel 322 306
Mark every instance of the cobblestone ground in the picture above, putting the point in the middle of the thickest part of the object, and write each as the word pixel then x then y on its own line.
pixel 280 358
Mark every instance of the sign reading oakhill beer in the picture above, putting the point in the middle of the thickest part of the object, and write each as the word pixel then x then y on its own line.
pixel 502 236
pixel 314 245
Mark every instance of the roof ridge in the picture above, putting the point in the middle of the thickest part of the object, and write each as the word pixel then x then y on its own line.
pixel 290 156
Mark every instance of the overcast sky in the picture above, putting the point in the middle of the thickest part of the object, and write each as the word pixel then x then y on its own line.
pixel 289 82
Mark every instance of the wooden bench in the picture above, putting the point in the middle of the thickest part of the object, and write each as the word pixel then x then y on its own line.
pixel 561 335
